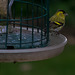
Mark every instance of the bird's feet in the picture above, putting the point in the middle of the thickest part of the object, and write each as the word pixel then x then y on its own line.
pixel 55 33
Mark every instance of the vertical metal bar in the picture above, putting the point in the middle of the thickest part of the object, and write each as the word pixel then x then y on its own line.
pixel 7 25
pixel 37 19
pixel 27 12
pixel 47 21
pixel 14 15
pixel 21 26
pixel 32 23
pixel 41 22
pixel 44 3
pixel 44 19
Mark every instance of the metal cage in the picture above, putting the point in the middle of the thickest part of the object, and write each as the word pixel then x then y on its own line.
pixel 26 24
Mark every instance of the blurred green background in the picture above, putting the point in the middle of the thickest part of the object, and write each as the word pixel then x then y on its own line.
pixel 64 64
pixel 68 6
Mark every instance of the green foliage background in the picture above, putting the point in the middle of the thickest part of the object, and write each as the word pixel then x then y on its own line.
pixel 68 6
pixel 63 64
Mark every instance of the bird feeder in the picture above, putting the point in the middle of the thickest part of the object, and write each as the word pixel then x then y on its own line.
pixel 22 36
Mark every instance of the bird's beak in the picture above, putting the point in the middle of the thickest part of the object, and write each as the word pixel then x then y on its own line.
pixel 66 14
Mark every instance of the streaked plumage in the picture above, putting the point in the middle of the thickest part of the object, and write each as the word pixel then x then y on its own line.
pixel 57 21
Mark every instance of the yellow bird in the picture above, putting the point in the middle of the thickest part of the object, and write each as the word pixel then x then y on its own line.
pixel 57 21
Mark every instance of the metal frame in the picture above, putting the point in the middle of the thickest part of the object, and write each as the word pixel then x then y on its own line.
pixel 12 18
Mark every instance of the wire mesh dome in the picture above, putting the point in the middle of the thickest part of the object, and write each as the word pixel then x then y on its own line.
pixel 24 25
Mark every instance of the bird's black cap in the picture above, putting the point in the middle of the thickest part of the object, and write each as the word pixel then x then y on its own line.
pixel 62 11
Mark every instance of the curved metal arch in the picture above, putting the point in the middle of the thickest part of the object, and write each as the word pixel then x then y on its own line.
pixel 10 5
pixel 12 1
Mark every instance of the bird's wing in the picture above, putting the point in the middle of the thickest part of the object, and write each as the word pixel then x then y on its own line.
pixel 55 24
